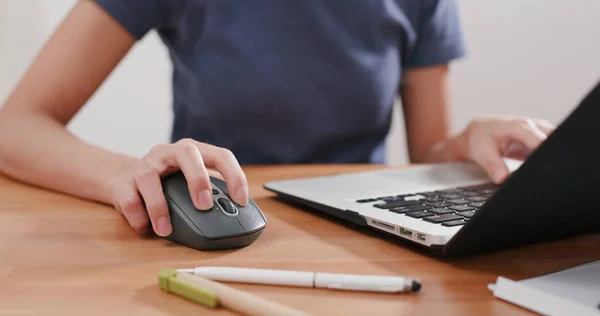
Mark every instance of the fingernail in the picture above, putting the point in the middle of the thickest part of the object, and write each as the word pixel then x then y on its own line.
pixel 163 225
pixel 241 195
pixel 205 201
pixel 498 175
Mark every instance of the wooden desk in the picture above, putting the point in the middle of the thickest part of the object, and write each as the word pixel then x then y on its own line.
pixel 64 256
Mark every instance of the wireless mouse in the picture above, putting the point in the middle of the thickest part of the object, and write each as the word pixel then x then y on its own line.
pixel 225 226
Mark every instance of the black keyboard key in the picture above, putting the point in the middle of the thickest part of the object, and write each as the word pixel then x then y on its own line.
pixel 478 198
pixel 442 218
pixel 440 211
pixel 392 204
pixel 451 196
pixel 399 210
pixel 438 204
pixel 411 208
pixel 455 190
pixel 488 191
pixel 467 213
pixel 391 198
pixel 470 193
pixel 458 201
pixel 420 207
pixel 477 204
pixel 435 198
pixel 461 208
pixel 454 223
pixel 366 200
pixel 413 197
pixel 419 214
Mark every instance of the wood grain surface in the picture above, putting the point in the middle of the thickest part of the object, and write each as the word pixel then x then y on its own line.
pixel 60 255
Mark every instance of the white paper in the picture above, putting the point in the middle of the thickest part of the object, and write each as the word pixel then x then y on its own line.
pixel 570 292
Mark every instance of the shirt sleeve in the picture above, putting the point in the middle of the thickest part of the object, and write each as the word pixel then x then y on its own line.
pixel 439 35
pixel 140 16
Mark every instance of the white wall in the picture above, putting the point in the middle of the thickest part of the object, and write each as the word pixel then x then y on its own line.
pixel 526 57
pixel 19 39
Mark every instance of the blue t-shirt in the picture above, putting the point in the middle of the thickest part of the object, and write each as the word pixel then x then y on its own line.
pixel 299 81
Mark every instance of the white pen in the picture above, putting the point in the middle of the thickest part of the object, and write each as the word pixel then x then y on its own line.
pixel 356 282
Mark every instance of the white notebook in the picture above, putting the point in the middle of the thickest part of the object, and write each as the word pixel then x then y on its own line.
pixel 575 291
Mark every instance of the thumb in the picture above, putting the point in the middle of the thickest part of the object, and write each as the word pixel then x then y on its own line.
pixel 487 155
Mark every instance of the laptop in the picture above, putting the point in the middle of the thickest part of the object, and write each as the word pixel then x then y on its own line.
pixel 453 209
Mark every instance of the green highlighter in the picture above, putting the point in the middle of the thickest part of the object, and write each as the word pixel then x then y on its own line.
pixel 212 294
pixel 168 281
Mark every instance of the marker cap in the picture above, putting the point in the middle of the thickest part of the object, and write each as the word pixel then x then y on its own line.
pixel 167 280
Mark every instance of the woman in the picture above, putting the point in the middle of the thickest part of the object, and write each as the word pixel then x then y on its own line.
pixel 255 82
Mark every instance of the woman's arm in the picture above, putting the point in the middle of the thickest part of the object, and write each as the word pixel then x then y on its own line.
pixel 35 145
pixel 425 102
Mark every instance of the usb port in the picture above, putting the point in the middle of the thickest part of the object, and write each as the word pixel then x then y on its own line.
pixel 421 237
pixel 383 225
pixel 405 232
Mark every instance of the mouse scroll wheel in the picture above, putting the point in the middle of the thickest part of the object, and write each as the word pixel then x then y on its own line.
pixel 228 206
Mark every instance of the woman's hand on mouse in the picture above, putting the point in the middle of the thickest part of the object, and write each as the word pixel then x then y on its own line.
pixel 138 193
pixel 486 141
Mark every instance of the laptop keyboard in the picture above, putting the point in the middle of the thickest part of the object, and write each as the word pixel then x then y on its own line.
pixel 451 207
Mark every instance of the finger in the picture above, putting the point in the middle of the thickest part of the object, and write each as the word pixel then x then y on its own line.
pixel 130 204
pixel 225 163
pixel 148 183
pixel 487 155
pixel 215 174
pixel 191 163
pixel 526 133
pixel 545 126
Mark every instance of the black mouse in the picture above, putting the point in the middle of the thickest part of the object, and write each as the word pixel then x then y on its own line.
pixel 225 226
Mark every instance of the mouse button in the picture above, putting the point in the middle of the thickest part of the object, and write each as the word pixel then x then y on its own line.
pixel 228 206
pixel 176 187
pixel 251 218
pixel 182 224
pixel 219 184
pixel 218 192
pixel 215 224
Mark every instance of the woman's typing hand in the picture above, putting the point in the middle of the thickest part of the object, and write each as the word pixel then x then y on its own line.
pixel 486 141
